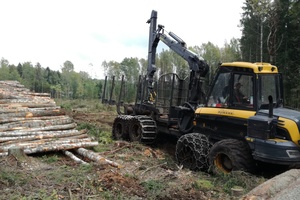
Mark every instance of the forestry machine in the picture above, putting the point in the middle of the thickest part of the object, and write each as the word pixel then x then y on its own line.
pixel 241 121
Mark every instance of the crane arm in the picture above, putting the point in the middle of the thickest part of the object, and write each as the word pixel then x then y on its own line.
pixel 198 67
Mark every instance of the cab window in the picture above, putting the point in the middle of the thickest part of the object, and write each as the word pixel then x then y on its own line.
pixel 220 92
pixel 242 95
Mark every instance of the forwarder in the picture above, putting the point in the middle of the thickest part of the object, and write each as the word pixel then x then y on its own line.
pixel 241 120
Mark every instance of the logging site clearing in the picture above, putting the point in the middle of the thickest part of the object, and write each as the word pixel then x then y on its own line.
pixel 63 149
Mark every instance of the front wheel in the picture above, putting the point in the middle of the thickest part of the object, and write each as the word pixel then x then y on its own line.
pixel 230 155
pixel 192 151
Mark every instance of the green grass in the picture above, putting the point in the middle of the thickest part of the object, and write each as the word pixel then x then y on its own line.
pixel 237 179
pixel 17 183
pixel 50 158
pixel 11 179
pixel 203 184
pixel 102 136
pixel 153 187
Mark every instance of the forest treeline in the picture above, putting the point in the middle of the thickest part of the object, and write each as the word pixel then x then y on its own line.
pixel 65 83
pixel 270 33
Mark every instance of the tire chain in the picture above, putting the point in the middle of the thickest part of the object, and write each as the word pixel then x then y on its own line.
pixel 199 145
pixel 148 128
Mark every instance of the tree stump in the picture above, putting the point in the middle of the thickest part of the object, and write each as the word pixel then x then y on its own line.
pixel 17 154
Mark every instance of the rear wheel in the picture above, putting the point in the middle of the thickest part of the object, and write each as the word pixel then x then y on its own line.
pixel 135 131
pixel 142 129
pixel 120 128
pixel 192 151
pixel 230 155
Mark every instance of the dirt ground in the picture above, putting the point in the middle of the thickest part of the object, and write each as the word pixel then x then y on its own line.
pixel 144 172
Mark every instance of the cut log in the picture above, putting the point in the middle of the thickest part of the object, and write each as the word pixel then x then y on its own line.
pixel 35 123
pixel 48 128
pixel 39 113
pixel 44 142
pixel 15 84
pixel 10 140
pixel 96 157
pixel 33 113
pixel 17 119
pixel 28 102
pixel 73 157
pixel 24 133
pixel 45 137
pixel 47 148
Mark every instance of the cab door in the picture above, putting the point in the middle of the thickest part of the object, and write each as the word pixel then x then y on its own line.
pixel 224 116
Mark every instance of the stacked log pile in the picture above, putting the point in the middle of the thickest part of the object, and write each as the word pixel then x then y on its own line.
pixel 33 122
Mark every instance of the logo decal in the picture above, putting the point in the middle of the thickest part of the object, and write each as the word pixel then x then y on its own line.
pixel 225 112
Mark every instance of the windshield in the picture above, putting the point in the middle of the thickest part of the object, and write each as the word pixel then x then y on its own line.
pixel 268 85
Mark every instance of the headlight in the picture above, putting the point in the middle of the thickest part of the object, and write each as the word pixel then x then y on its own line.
pixel 293 153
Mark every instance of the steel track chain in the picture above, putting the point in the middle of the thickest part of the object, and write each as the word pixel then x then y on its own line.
pixel 148 128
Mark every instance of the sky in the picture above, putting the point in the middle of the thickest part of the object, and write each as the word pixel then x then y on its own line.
pixel 92 31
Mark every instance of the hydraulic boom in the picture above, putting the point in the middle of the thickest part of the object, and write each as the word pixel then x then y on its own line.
pixel 198 67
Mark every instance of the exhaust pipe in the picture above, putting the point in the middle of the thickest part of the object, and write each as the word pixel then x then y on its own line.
pixel 270 98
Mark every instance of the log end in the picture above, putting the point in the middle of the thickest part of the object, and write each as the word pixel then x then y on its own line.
pixel 28 115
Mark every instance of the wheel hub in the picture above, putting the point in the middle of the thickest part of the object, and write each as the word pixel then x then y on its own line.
pixel 223 163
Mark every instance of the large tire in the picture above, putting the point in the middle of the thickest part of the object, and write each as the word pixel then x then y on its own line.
pixel 120 128
pixel 135 130
pixel 192 151
pixel 142 129
pixel 230 155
